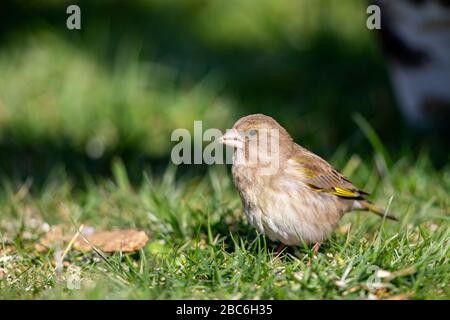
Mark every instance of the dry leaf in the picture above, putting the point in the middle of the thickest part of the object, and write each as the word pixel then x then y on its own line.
pixel 57 236
pixel 113 241
pixel 127 240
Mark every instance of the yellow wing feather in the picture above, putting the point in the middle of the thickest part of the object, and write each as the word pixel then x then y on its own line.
pixel 346 193
pixel 322 177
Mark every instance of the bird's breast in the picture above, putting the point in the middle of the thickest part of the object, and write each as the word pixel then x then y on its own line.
pixel 284 208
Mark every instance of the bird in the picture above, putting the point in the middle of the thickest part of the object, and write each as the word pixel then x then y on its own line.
pixel 288 193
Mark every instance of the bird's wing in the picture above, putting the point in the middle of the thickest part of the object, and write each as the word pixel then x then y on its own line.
pixel 322 177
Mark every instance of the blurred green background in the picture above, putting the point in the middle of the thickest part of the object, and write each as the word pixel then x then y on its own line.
pixel 140 69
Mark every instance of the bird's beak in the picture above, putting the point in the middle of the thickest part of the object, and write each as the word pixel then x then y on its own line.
pixel 232 138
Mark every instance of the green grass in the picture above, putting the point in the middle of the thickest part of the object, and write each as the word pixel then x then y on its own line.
pixel 201 246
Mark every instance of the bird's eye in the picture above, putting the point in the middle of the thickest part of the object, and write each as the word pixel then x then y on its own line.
pixel 251 133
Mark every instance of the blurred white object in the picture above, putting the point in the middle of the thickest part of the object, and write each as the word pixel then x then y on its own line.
pixel 416 37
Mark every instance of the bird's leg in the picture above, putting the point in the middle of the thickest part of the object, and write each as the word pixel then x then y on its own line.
pixel 280 248
pixel 316 248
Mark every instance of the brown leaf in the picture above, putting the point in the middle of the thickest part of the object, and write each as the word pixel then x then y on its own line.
pixel 128 240
pixel 57 236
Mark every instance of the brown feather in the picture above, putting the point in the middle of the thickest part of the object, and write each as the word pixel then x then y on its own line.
pixel 323 177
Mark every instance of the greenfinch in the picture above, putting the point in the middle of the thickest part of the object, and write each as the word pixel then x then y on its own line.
pixel 299 200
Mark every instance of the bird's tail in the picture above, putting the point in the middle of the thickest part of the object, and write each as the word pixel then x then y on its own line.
pixel 369 206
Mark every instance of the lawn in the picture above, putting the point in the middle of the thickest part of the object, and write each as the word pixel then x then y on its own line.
pixel 201 246
pixel 85 124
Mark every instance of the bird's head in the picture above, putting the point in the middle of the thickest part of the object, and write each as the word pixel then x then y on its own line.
pixel 258 137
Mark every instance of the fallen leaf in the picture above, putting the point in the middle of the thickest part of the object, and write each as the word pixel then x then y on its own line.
pixel 127 240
